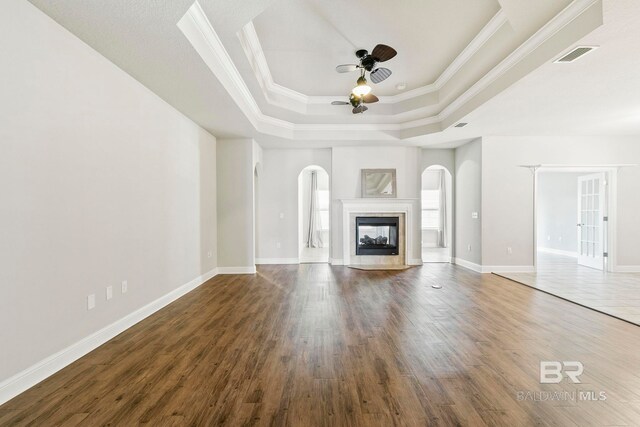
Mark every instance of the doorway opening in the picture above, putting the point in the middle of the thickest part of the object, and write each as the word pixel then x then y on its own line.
pixel 314 200
pixel 437 214
pixel 574 218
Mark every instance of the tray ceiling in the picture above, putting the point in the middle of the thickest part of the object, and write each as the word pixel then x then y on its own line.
pixel 303 41
pixel 266 67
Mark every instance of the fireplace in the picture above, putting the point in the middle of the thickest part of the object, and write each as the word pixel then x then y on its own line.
pixel 377 235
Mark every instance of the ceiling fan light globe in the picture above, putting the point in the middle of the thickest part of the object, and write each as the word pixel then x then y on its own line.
pixel 361 89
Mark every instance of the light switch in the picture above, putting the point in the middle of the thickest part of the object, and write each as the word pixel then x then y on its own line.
pixel 281 215
pixel 109 292
pixel 474 215
pixel 91 301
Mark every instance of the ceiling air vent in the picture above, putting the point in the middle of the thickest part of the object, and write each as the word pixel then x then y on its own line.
pixel 461 125
pixel 576 53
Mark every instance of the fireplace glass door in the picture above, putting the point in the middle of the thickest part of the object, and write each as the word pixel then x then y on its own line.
pixel 377 235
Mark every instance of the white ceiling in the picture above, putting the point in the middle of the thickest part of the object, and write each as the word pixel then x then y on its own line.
pixel 303 41
pixel 597 95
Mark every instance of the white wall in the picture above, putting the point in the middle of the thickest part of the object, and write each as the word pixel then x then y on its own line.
pixel 347 163
pixel 235 167
pixel 101 182
pixel 438 157
pixel 468 199
pixel 279 195
pixel 507 191
pixel 557 211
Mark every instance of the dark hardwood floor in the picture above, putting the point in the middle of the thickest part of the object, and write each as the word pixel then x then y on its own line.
pixel 320 345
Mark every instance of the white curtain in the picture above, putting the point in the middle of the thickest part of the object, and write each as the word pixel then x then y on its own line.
pixel 314 240
pixel 442 232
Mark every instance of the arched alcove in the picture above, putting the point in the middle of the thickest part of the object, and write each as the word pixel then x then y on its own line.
pixel 437 214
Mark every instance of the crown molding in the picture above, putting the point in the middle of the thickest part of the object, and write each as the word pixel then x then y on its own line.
pixel 557 23
pixel 282 96
pixel 199 32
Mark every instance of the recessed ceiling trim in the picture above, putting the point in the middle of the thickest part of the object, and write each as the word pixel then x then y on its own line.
pixel 199 32
pixel 557 23
pixel 273 91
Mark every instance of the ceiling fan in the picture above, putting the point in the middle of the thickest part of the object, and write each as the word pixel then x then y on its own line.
pixel 357 102
pixel 369 62
pixel 360 94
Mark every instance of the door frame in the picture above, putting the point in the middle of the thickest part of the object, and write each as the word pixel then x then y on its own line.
pixel 610 228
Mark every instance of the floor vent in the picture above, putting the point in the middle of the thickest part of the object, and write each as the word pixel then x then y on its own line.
pixel 461 125
pixel 576 53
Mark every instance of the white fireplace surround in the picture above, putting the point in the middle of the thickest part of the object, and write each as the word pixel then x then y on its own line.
pixel 377 206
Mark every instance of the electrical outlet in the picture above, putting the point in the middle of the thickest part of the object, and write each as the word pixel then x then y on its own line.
pixel 124 287
pixel 548 238
pixel 278 245
pixel 91 302
pixel 474 215
pixel 281 215
pixel 469 247
pixel 509 250
pixel 109 292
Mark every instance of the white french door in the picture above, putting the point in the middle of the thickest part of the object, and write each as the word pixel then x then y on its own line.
pixel 591 212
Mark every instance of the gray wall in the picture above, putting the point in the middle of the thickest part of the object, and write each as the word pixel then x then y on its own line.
pixel 278 183
pixel 235 169
pixel 557 211
pixel 507 190
pixel 468 199
pixel 101 182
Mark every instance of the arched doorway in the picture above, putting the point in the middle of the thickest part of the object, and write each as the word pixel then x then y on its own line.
pixel 437 214
pixel 314 202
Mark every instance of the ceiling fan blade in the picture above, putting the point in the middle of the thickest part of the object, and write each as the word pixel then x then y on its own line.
pixel 359 109
pixel 370 98
pixel 380 74
pixel 339 103
pixel 346 68
pixel 382 52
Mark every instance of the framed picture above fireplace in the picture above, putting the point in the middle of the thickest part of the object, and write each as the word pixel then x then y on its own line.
pixel 379 183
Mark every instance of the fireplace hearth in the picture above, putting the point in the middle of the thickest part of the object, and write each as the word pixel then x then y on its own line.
pixel 377 235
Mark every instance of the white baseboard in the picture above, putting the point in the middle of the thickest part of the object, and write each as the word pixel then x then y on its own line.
pixel 438 260
pixel 416 261
pixel 493 268
pixel 467 264
pixel 627 269
pixel 264 261
pixel 237 270
pixel 558 252
pixel 336 261
pixel 508 269
pixel 31 376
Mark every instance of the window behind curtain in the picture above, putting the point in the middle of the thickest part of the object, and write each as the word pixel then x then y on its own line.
pixel 431 209
pixel 323 209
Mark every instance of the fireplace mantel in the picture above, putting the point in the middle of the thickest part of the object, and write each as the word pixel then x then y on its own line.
pixel 371 206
